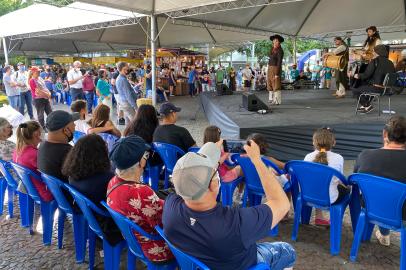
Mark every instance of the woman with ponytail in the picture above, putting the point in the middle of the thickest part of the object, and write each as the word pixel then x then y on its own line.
pixel 28 138
pixel 323 142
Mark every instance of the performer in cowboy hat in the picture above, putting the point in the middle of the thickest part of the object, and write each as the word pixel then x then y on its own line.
pixel 275 70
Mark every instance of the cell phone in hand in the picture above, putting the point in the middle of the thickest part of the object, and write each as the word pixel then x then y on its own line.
pixel 234 146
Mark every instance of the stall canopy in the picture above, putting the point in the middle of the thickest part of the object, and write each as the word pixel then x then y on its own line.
pixel 304 18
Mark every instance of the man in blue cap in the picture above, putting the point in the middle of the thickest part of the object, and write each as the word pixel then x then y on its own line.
pixel 170 133
pixel 52 152
pixel 130 197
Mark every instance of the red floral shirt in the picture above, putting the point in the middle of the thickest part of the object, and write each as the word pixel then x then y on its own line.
pixel 139 203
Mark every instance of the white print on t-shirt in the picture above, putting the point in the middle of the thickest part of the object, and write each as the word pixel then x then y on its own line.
pixel 192 221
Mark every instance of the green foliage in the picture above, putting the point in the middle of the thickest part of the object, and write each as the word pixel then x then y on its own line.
pixel 262 47
pixel 7 6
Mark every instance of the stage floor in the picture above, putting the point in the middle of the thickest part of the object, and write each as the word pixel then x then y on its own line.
pixel 290 126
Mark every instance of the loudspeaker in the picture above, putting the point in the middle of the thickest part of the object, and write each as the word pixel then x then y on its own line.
pixel 223 89
pixel 252 103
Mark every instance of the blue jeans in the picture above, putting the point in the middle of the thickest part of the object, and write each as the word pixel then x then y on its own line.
pixel 89 95
pixel 76 94
pixel 26 99
pixel 278 255
pixel 13 101
pixel 384 231
pixel 191 89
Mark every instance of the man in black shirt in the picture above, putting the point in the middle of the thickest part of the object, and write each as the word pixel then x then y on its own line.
pixel 52 152
pixel 388 162
pixel 170 133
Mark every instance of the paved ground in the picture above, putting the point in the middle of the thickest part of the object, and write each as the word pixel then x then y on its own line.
pixel 19 250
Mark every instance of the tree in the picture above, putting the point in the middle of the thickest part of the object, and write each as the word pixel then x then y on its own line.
pixel 262 47
pixel 7 6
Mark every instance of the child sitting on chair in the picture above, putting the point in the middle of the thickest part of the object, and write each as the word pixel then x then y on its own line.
pixel 323 142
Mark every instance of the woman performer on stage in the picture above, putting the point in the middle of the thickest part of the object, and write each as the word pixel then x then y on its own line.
pixel 275 70
pixel 341 74
pixel 373 39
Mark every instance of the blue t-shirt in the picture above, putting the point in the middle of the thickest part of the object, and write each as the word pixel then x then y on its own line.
pixel 192 76
pixel 223 238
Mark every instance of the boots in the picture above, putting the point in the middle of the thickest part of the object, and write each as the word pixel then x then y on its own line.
pixel 277 98
pixel 271 97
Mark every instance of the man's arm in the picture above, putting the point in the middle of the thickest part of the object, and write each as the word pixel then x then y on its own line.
pixel 275 196
pixel 369 72
pixel 130 94
pixel 71 80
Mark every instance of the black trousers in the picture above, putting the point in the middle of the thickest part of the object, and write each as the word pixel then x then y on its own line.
pixel 42 106
pixel 365 101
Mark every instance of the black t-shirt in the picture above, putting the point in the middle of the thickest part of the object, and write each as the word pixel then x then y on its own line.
pixel 93 187
pixel 51 157
pixel 383 162
pixel 223 238
pixel 175 135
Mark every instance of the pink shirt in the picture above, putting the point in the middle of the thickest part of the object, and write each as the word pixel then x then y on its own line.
pixel 34 84
pixel 28 158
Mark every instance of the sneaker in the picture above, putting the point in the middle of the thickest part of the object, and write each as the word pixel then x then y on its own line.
pixel 384 240
pixel 321 222
pixel 171 95
pixel 360 109
pixel 369 109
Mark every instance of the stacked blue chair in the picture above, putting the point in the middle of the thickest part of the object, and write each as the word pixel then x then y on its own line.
pixel 194 149
pixel 77 135
pixel 7 182
pixel 314 182
pixel 384 199
pixel 80 227
pixel 109 139
pixel 253 186
pixel 127 228
pixel 47 208
pixel 169 154
pixel 111 253
pixel 151 175
pixel 188 262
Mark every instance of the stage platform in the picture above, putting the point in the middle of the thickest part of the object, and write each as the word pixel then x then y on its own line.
pixel 290 126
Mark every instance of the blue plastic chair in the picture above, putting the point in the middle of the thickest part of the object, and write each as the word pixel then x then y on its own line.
pixel 314 181
pixel 109 139
pixel 47 208
pixel 7 182
pixel 127 227
pixel 111 253
pixel 169 154
pixel 384 200
pixel 253 186
pixel 194 149
pixel 77 135
pixel 80 227
pixel 188 262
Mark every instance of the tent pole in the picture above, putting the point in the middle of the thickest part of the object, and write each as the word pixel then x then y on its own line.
pixel 252 55
pixel 153 59
pixel 5 51
pixel 294 51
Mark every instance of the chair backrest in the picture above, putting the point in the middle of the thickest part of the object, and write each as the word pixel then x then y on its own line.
pixel 390 80
pixel 127 227
pixel 77 135
pixel 185 261
pixel 56 187
pixel 383 198
pixel 194 149
pixel 25 175
pixel 314 180
pixel 251 176
pixel 5 168
pixel 88 209
pixel 169 154
pixel 109 139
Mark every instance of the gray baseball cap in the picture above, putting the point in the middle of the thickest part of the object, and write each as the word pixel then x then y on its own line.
pixel 193 172
pixel 59 119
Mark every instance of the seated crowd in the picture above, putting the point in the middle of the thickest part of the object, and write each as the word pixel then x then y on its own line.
pixel 192 219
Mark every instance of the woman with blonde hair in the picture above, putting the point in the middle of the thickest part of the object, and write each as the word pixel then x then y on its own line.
pixel 28 138
pixel 323 142
pixel 101 118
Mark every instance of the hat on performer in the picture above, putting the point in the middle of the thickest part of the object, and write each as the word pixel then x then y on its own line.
pixel 372 27
pixel 278 37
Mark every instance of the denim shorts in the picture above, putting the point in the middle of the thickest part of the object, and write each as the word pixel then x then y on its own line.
pixel 278 255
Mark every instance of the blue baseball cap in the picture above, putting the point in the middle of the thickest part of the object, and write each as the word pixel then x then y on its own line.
pixel 167 108
pixel 60 119
pixel 128 151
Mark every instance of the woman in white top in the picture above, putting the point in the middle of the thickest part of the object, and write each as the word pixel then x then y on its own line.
pixel 323 142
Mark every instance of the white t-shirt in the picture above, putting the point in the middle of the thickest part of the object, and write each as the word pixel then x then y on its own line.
pixel 82 126
pixel 73 75
pixel 335 161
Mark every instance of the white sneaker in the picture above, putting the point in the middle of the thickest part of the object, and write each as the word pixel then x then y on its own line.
pixel 384 240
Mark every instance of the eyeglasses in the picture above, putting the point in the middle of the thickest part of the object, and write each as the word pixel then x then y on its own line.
pixel 214 174
pixel 146 155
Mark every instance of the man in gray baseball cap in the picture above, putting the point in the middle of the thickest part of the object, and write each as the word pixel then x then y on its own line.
pixel 224 237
